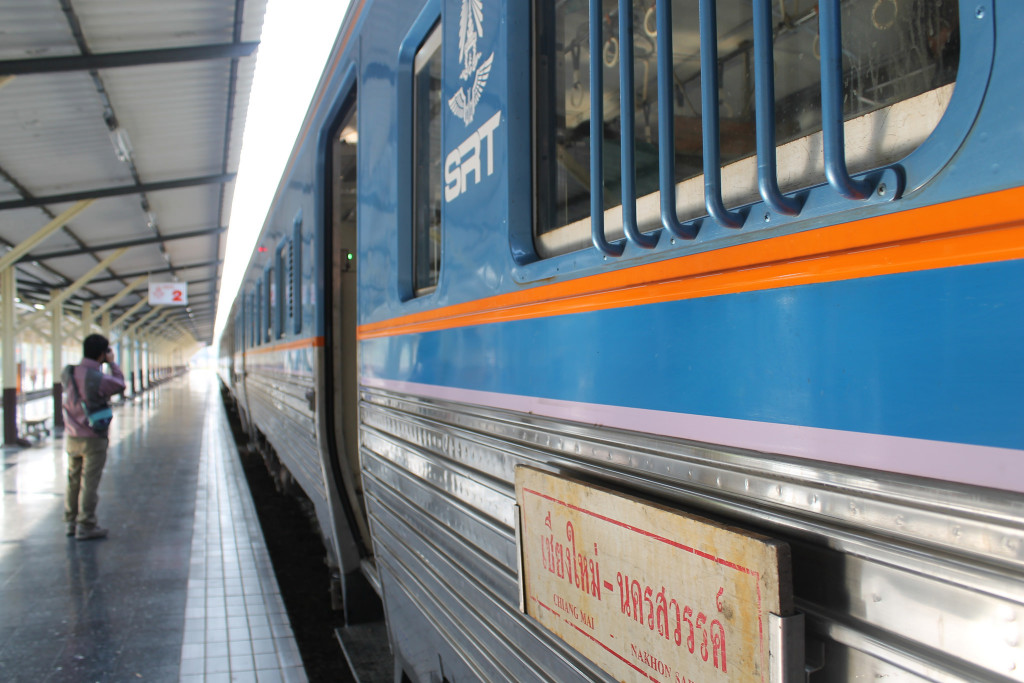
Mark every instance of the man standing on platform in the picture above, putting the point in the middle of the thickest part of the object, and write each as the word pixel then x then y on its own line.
pixel 86 418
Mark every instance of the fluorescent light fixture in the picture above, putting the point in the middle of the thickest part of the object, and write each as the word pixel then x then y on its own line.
pixel 122 145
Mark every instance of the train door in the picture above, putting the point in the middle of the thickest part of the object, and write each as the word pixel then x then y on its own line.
pixel 340 333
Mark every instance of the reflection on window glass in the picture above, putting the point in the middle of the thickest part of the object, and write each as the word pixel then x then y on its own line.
pixel 427 164
pixel 259 313
pixel 282 262
pixel 271 300
pixel 892 50
pixel 290 260
pixel 344 171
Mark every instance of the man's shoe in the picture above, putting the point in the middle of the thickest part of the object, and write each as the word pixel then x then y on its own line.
pixel 89 533
pixel 70 528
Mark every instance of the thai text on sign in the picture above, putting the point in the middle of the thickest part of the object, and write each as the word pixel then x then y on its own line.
pixel 168 293
pixel 647 592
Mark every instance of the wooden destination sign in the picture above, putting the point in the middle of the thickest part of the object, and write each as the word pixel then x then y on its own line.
pixel 647 592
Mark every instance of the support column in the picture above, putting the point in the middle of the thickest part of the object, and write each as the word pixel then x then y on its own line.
pixel 57 359
pixel 105 324
pixel 138 365
pixel 8 291
pixel 86 320
pixel 143 365
pixel 127 361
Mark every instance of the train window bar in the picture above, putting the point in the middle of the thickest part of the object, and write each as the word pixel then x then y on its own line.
pixel 290 259
pixel 295 295
pixel 751 67
pixel 268 303
pixel 282 286
pixel 260 306
pixel 253 326
pixel 709 118
pixel 627 108
pixel 764 107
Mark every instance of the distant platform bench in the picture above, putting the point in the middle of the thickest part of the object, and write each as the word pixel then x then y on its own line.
pixel 36 429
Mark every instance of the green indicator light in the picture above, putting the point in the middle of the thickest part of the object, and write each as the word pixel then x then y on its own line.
pixel 350 256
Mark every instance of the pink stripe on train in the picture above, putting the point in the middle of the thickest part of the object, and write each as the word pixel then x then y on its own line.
pixel 999 468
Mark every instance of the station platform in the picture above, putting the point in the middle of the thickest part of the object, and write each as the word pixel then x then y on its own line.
pixel 181 590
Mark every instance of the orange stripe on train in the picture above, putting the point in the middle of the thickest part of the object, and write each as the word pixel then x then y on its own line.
pixel 307 343
pixel 981 229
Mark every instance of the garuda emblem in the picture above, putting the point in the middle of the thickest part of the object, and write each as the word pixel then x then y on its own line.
pixel 463 103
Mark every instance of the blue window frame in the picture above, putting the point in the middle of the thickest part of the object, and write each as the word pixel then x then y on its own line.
pixel 269 295
pixel 702 127
pixel 261 317
pixel 281 286
pixel 419 144
pixel 295 261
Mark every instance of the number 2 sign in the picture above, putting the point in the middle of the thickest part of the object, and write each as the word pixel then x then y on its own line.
pixel 168 293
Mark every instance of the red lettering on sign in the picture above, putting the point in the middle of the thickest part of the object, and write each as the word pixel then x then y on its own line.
pixel 571 564
pixel 568 556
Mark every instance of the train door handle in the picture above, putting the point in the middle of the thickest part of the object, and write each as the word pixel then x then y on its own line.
pixel 311 398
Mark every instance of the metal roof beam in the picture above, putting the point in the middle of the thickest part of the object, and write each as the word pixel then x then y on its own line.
pixel 144 327
pixel 131 287
pixel 125 243
pixel 64 295
pixel 129 313
pixel 25 194
pixel 118 191
pixel 187 266
pixel 144 319
pixel 191 282
pixel 53 226
pixel 113 60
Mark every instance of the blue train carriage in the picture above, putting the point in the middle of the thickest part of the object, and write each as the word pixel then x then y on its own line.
pixel 273 363
pixel 817 342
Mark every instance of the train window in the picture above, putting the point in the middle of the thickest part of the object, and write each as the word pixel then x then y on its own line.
pixel 295 266
pixel 282 263
pixel 270 301
pixel 894 63
pixel 259 317
pixel 252 318
pixel 426 254
pixel 247 328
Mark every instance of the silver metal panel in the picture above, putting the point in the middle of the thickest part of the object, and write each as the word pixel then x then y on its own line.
pixel 279 409
pixel 33 28
pixel 900 577
pixel 457 483
pixel 786 648
pixel 486 538
pixel 951 517
pixel 489 636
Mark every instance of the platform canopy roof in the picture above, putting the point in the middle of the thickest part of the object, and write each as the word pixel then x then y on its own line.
pixel 139 106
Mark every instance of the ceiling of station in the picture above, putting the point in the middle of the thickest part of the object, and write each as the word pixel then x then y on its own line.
pixel 138 106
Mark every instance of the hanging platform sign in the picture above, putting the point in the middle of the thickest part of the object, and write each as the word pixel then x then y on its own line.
pixel 168 293
pixel 647 592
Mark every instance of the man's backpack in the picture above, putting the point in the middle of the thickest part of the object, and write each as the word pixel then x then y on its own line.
pixel 96 406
